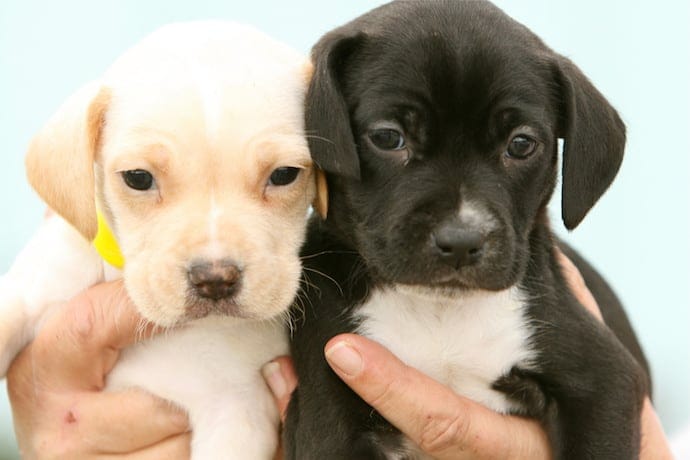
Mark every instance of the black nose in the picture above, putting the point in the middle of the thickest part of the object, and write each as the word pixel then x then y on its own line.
pixel 458 246
pixel 218 279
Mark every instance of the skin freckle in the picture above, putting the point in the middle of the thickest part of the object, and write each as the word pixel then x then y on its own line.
pixel 70 418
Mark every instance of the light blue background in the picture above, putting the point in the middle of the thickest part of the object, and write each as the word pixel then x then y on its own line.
pixel 636 52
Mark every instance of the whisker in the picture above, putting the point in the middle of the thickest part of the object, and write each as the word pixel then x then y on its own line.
pixel 320 138
pixel 326 252
pixel 340 289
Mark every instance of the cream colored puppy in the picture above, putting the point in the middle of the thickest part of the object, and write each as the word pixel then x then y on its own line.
pixel 191 151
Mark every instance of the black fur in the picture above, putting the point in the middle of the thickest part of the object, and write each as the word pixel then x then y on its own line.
pixel 459 79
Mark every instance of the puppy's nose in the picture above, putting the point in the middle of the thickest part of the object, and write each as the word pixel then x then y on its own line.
pixel 218 279
pixel 458 246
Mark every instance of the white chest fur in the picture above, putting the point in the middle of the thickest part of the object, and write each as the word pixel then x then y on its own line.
pixel 465 342
pixel 211 368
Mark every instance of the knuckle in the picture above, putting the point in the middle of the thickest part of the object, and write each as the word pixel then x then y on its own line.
pixel 383 394
pixel 16 382
pixel 85 318
pixel 19 394
pixel 442 432
pixel 385 388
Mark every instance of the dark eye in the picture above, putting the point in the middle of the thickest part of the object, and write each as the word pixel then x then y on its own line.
pixel 387 139
pixel 138 179
pixel 521 147
pixel 283 176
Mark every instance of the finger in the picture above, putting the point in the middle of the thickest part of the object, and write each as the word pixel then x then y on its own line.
pixel 440 422
pixel 653 443
pixel 80 343
pixel 281 379
pixel 577 285
pixel 124 421
pixel 176 447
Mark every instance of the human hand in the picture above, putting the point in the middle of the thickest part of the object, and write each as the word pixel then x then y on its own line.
pixel 55 388
pixel 420 407
pixel 442 423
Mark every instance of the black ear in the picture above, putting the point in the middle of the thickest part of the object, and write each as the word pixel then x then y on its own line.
pixel 327 118
pixel 594 140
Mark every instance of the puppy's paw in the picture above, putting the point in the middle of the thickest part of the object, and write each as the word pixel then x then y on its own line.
pixel 522 388
pixel 383 445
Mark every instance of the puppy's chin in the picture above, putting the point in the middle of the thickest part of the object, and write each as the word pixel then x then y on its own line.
pixel 430 292
pixel 450 293
pixel 454 286
pixel 240 308
pixel 195 308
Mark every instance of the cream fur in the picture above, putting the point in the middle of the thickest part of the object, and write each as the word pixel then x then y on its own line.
pixel 211 109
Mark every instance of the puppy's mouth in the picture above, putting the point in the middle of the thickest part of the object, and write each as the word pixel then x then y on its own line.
pixel 428 268
pixel 452 283
pixel 448 291
pixel 198 307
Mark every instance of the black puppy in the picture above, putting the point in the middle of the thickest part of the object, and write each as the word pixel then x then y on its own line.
pixel 437 124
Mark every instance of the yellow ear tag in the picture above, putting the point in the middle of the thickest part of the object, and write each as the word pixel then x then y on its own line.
pixel 105 243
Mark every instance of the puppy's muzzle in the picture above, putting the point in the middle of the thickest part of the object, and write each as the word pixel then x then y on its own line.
pixel 214 280
pixel 458 245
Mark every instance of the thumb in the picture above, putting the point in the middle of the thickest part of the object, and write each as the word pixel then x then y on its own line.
pixel 440 422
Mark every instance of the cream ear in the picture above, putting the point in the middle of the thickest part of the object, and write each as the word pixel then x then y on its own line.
pixel 307 71
pixel 320 203
pixel 59 163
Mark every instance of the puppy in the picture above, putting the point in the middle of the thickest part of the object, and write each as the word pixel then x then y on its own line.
pixel 437 125
pixel 188 166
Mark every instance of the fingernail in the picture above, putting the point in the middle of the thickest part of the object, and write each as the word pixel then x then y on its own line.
pixel 274 379
pixel 345 358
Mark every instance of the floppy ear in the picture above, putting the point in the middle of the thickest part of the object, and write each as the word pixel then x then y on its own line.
pixel 320 203
pixel 327 119
pixel 59 163
pixel 594 140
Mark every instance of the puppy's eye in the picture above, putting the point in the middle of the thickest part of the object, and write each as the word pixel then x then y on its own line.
pixel 283 176
pixel 138 179
pixel 521 147
pixel 387 139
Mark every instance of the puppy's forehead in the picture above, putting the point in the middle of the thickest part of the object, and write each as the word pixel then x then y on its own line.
pixel 238 51
pixel 457 53
pixel 207 82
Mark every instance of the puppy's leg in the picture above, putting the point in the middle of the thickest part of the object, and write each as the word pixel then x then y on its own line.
pixel 231 421
pixel 56 265
pixel 325 421
pixel 210 368
pixel 596 392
